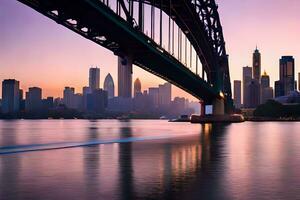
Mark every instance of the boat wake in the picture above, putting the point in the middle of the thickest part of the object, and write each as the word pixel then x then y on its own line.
pixel 63 145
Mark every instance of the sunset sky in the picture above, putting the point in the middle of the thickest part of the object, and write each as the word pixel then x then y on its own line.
pixel 38 52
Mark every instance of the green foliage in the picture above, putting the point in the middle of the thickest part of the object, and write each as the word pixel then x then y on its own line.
pixel 275 109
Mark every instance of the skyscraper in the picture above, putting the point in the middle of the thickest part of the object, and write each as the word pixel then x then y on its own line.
pixel 237 93
pixel 253 93
pixel 21 100
pixel 266 90
pixel 247 76
pixel 265 80
pixel 279 90
pixel 33 102
pixel 256 65
pixel 97 101
pixel 94 78
pixel 154 96
pixel 137 87
pixel 109 86
pixel 165 94
pixel 10 96
pixel 85 92
pixel 268 93
pixel 287 74
pixel 125 77
pixel 69 93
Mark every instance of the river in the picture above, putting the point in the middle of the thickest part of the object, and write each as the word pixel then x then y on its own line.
pixel 148 159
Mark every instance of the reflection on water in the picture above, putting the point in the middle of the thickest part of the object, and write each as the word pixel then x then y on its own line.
pixel 167 161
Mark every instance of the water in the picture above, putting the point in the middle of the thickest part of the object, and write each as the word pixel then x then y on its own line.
pixel 148 159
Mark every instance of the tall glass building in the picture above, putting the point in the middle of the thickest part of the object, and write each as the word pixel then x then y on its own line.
pixel 10 96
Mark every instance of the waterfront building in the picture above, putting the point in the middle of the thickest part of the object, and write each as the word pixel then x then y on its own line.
pixel 256 61
pixel 48 103
pixel 287 74
pixel 154 96
pixel 21 100
pixel 94 78
pixel 85 91
pixel 10 96
pixel 125 77
pixel 247 77
pixel 279 90
pixel 267 94
pixel 120 104
pixel 291 98
pixel 164 94
pixel 237 93
pixel 97 101
pixel 68 96
pixel 109 86
pixel 137 87
pixel 77 102
pixel 33 102
pixel 179 105
pixel 253 93
pixel 265 80
pixel 266 90
pixel 58 102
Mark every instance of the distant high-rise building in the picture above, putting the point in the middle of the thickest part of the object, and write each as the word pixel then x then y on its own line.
pixel 253 93
pixel 33 102
pixel 48 103
pixel 21 100
pixel 265 80
pixel 137 87
pixel 178 105
pixel 256 65
pixel 10 96
pixel 237 93
pixel 69 93
pixel 94 78
pixel 85 92
pixel 247 76
pixel 165 94
pixel 266 90
pixel 154 96
pixel 109 86
pixel 279 89
pixel 120 104
pixel 125 77
pixel 287 74
pixel 267 94
pixel 97 101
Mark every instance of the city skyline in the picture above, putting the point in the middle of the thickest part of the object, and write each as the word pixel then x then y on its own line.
pixel 72 46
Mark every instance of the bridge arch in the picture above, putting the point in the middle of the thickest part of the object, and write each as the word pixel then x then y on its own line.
pixel 198 20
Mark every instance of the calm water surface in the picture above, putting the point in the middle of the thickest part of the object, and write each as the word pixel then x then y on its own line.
pixel 148 159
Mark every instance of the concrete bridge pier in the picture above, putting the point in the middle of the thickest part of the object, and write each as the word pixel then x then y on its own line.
pixel 218 106
pixel 202 108
pixel 218 114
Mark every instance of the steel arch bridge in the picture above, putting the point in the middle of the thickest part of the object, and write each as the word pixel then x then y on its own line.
pixel 120 26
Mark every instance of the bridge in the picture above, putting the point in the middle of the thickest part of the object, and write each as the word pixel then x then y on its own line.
pixel 180 41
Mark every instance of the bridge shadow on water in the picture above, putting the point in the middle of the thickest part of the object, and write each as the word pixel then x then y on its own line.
pixel 182 167
pixel 187 169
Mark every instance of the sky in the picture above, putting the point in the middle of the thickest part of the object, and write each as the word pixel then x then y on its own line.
pixel 38 52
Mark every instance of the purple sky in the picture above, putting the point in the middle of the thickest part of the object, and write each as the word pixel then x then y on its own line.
pixel 39 52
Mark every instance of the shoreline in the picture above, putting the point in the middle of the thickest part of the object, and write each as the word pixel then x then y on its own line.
pixel 268 119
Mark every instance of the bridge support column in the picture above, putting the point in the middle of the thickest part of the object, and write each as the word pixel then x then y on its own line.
pixel 202 108
pixel 125 76
pixel 218 107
